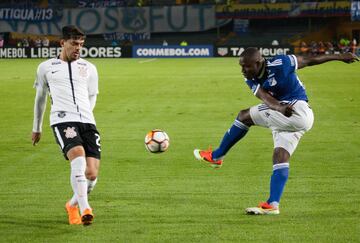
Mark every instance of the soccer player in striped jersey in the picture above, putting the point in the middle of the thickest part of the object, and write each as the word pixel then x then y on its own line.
pixel 72 84
pixel 285 110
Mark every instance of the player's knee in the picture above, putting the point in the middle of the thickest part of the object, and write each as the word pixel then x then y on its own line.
pixel 75 152
pixel 91 174
pixel 92 168
pixel 91 178
pixel 280 155
pixel 244 117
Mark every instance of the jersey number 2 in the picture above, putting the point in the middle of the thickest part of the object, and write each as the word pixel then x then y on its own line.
pixel 98 141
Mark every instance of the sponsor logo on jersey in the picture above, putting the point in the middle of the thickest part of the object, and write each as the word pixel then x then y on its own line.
pixel 70 132
pixel 55 71
pixel 56 63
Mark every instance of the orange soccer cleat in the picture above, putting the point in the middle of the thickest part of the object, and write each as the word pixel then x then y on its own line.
pixel 87 217
pixel 206 155
pixel 73 214
pixel 264 208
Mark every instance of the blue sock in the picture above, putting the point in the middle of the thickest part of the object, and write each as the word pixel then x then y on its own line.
pixel 278 181
pixel 232 136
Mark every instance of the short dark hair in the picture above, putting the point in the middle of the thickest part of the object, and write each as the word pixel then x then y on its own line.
pixel 249 52
pixel 72 32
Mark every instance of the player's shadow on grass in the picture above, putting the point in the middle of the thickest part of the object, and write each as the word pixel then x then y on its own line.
pixel 55 226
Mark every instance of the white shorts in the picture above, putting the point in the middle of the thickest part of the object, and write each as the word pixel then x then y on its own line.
pixel 286 131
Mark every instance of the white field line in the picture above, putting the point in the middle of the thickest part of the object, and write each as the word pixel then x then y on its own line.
pixel 148 60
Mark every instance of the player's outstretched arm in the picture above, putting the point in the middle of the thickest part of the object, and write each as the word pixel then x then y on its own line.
pixel 39 109
pixel 304 61
pixel 273 103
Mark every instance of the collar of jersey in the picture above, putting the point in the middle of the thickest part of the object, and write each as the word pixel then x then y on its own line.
pixel 263 73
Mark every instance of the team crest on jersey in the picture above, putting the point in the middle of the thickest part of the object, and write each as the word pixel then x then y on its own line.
pixel 272 82
pixel 70 132
pixel 83 71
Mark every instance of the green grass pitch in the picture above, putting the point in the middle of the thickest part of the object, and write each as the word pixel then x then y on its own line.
pixel 171 197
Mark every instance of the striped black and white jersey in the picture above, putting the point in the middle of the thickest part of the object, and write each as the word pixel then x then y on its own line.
pixel 70 86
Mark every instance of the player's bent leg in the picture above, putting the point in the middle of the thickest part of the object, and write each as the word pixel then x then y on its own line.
pixel 303 118
pixel 90 186
pixel 73 153
pixel 92 171
pixel 245 117
pixel 206 156
pixel 79 183
pixel 236 132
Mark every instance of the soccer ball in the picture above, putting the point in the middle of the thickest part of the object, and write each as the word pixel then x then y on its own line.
pixel 157 141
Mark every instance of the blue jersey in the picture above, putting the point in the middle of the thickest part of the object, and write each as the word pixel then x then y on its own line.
pixel 280 79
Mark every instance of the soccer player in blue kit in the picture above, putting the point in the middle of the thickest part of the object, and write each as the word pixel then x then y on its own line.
pixel 285 110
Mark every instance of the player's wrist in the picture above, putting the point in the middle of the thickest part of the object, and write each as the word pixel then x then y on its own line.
pixel 279 108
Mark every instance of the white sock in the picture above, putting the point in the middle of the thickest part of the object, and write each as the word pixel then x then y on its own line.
pixel 78 182
pixel 73 200
pixel 90 186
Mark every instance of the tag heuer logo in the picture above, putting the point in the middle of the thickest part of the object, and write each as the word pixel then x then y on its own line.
pixel 222 51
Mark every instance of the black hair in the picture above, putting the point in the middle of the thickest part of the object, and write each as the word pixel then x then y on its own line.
pixel 72 32
pixel 249 52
